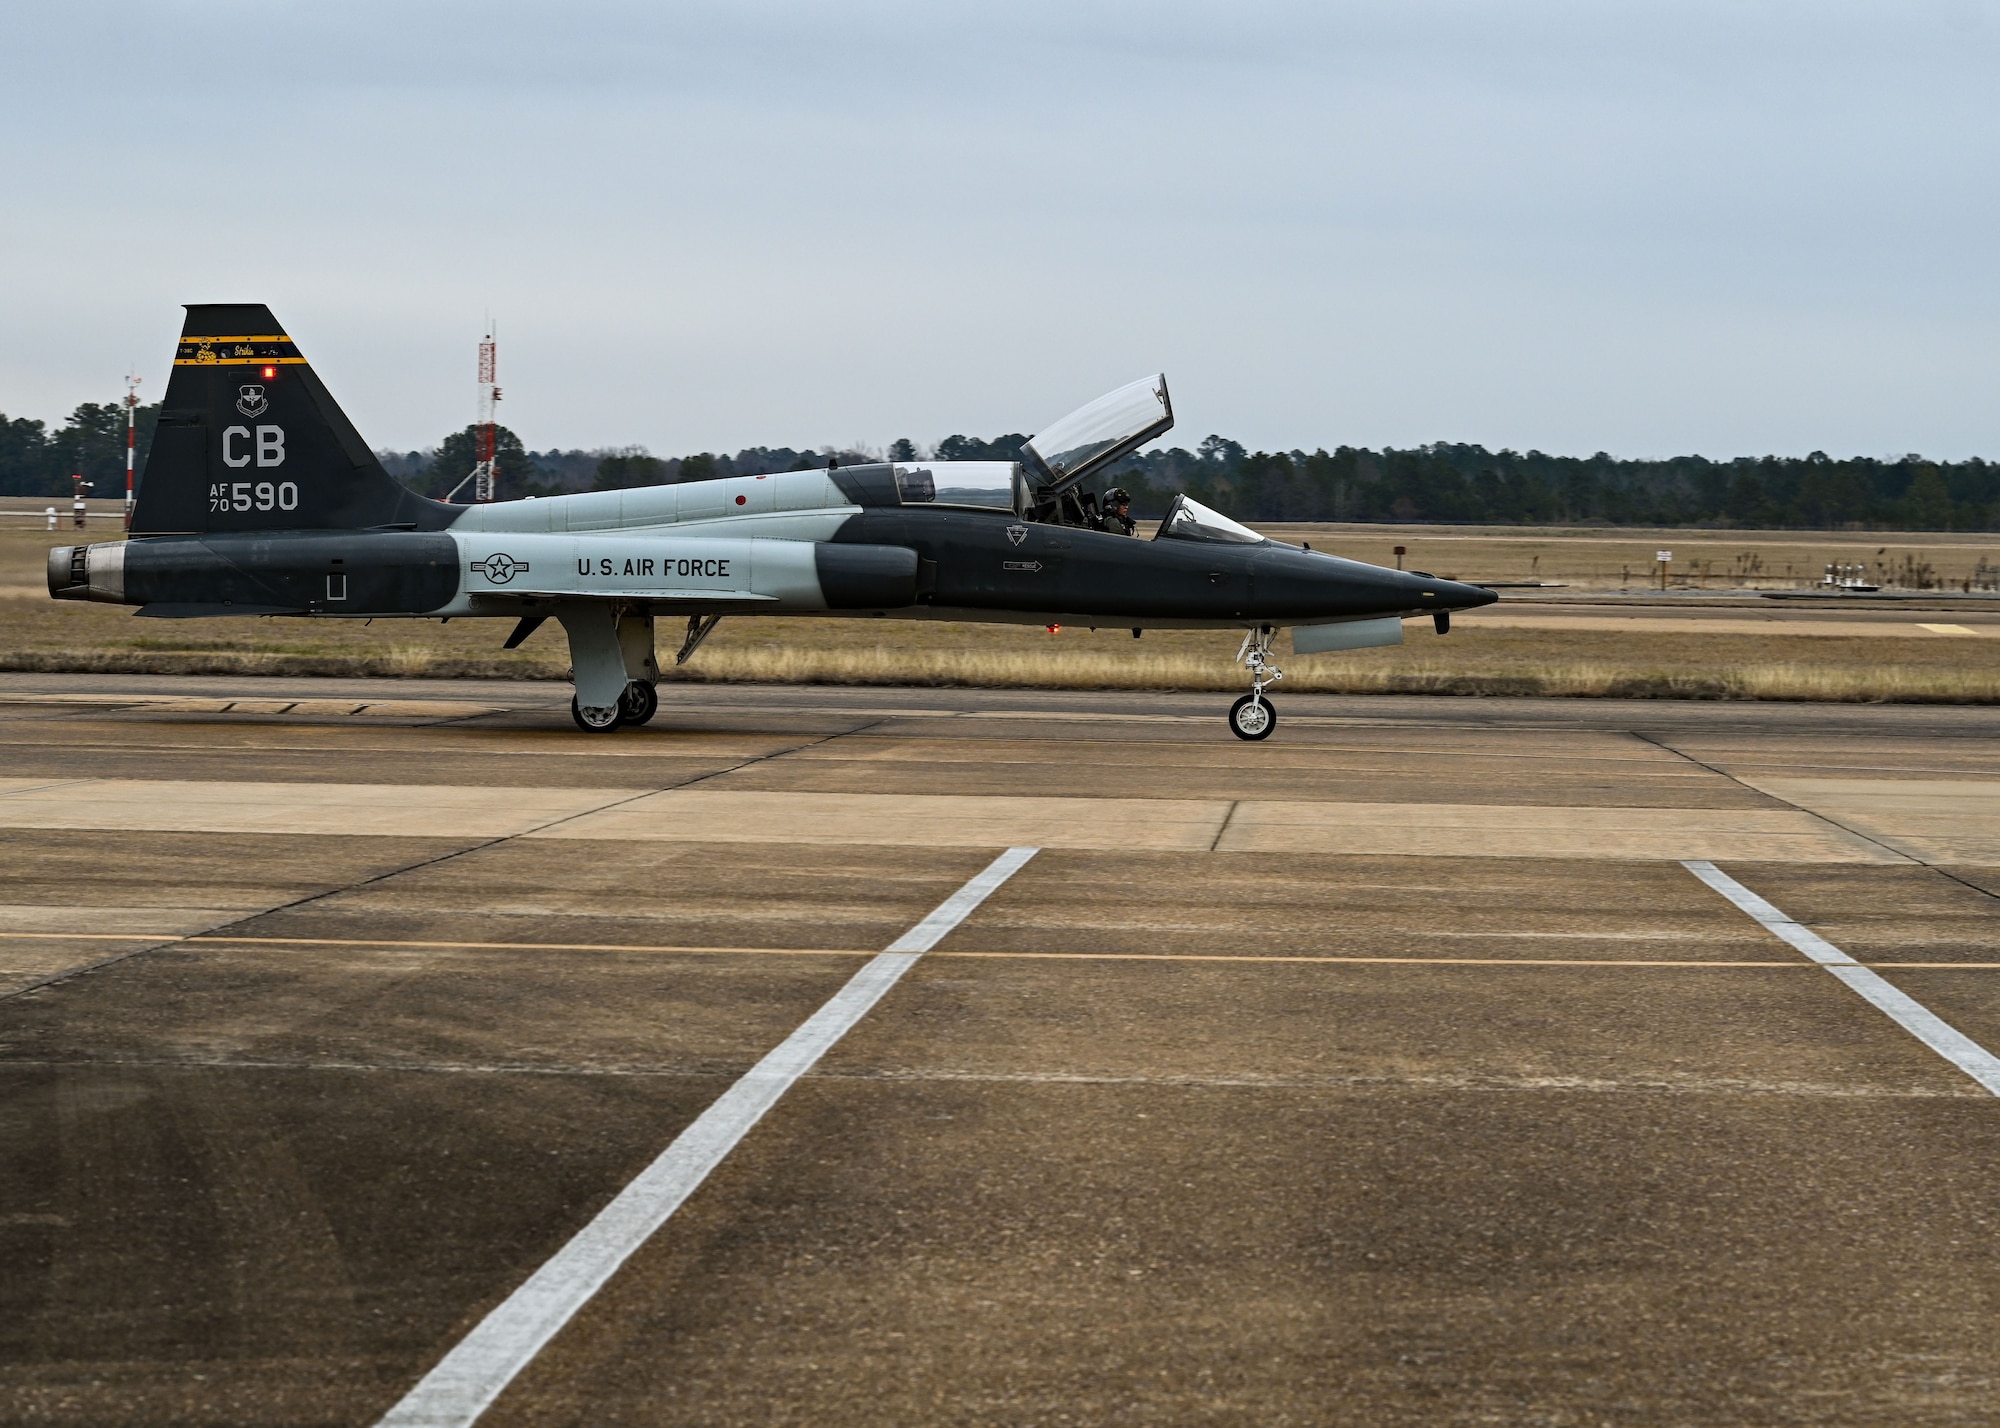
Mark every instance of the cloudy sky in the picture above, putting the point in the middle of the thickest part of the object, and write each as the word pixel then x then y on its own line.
pixel 1644 228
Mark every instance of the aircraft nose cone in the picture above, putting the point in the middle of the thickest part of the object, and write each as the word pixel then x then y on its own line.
pixel 1433 594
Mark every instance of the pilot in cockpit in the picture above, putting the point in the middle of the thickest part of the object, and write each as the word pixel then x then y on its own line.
pixel 1115 512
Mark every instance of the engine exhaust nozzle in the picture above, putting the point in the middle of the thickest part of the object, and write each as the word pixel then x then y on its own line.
pixel 88 572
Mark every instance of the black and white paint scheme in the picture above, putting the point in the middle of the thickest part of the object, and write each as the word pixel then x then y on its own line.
pixel 287 512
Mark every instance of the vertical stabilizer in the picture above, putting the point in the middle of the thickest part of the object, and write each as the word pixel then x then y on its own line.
pixel 250 440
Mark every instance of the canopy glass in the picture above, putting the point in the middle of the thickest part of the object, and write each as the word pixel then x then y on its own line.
pixel 987 484
pixel 1189 519
pixel 1100 433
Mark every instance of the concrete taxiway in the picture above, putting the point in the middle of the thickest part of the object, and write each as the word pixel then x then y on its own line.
pixel 1396 1071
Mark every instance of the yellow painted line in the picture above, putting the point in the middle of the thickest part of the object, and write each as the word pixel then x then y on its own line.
pixel 673 950
pixel 97 936
pixel 205 341
pixel 1948 629
pixel 1355 961
pixel 539 946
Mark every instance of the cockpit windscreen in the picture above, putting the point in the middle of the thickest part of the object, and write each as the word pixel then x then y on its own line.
pixel 1191 520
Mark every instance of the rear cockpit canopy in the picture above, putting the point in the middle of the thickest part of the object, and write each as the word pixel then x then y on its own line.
pixel 1040 485
pixel 1094 436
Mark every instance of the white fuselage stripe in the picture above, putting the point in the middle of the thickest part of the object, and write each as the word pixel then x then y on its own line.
pixel 474 1373
pixel 1906 1011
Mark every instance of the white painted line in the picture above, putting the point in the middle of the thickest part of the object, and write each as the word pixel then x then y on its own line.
pixel 1906 1011
pixel 467 1380
pixel 956 908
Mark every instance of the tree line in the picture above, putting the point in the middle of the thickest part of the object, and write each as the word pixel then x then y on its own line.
pixel 1460 483
pixel 522 472
pixel 35 461
pixel 1444 482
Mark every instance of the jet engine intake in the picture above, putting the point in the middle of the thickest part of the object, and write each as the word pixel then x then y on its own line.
pixel 865 577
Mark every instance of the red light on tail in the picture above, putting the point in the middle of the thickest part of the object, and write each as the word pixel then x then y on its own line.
pixel 269 373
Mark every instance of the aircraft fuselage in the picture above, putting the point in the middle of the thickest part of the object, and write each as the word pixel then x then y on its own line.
pixel 260 497
pixel 794 545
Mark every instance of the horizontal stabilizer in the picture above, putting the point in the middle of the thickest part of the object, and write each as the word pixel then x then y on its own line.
pixel 169 611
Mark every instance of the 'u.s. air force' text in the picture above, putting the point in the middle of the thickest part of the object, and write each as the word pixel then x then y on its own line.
pixel 638 565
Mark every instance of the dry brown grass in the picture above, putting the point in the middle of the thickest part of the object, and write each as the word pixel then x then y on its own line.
pixel 1472 660
pixel 1477 670
pixel 1599 558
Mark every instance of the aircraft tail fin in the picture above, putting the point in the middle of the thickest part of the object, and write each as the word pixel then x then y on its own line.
pixel 250 439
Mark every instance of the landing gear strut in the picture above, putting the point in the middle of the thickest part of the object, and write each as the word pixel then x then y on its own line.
pixel 1252 716
pixel 612 662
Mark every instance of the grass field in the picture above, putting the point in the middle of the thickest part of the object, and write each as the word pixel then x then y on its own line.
pixel 1599 559
pixel 39 634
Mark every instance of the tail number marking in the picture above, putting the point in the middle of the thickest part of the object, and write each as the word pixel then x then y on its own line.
pixel 253 496
pixel 270 446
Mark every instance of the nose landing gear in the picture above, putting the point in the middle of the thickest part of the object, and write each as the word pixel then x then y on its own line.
pixel 1252 717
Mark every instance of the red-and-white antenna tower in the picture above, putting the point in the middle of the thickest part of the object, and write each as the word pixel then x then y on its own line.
pixel 485 436
pixel 131 440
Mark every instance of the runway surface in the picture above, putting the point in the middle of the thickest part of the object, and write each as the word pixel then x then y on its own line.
pixel 1398 1070
pixel 1742 617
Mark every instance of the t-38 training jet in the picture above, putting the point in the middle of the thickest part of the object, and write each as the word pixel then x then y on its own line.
pixel 260 498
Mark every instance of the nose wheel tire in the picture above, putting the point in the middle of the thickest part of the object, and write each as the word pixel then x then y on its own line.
pixel 594 720
pixel 1252 717
pixel 639 703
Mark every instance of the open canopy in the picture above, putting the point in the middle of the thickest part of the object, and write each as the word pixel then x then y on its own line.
pixel 1096 435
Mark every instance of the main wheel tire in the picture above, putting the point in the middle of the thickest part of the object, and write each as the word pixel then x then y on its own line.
pixel 595 721
pixel 1252 717
pixel 639 703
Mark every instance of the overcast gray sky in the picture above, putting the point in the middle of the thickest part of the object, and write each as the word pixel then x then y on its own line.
pixel 1644 228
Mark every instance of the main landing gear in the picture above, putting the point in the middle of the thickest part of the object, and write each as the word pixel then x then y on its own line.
pixel 637 705
pixel 640 702
pixel 1252 716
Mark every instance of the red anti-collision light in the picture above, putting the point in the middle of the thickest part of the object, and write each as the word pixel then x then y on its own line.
pixel 742 500
pixel 269 373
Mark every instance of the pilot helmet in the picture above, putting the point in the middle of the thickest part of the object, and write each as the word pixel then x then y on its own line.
pixel 1117 496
